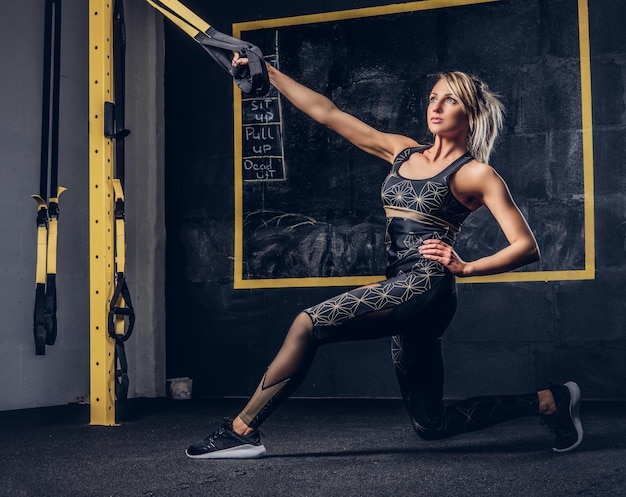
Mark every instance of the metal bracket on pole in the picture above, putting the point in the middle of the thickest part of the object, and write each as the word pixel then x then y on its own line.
pixel 101 215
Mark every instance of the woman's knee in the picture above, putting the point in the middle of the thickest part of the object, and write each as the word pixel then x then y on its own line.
pixel 304 320
pixel 301 327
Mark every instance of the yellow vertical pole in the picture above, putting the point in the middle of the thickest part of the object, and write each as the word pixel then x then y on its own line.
pixel 101 243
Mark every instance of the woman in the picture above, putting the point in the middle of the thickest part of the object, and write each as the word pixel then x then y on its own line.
pixel 427 195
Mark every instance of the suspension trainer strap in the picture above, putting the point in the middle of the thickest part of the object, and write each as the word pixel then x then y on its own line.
pixel 121 311
pixel 39 318
pixel 51 272
pixel 252 79
pixel 55 190
pixel 121 319
pixel 45 319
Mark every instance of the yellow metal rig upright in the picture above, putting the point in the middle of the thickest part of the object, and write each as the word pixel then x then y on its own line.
pixel 101 215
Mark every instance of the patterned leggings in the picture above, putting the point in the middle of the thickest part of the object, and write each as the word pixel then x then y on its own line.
pixel 414 309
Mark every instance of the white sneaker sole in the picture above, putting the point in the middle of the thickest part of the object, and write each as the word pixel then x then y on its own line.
pixel 240 452
pixel 574 410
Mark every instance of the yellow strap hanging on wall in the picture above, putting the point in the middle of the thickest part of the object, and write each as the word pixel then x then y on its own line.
pixel 45 319
pixel 182 16
pixel 39 319
pixel 42 239
pixel 53 223
pixel 121 313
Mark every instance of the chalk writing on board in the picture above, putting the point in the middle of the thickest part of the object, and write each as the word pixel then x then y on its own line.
pixel 263 157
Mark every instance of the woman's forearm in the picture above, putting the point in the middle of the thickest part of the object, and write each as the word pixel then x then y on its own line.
pixel 507 259
pixel 315 105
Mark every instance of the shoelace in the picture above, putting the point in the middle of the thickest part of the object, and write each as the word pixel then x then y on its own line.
pixel 224 430
pixel 213 436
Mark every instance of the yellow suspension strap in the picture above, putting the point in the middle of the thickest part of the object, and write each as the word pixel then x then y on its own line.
pixel 121 318
pixel 121 307
pixel 45 319
pixel 252 79
pixel 39 324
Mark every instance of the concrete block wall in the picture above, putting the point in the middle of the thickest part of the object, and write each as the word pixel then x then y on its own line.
pixel 506 337
pixel 562 329
pixel 554 330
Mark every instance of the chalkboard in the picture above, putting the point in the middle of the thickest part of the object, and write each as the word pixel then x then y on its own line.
pixel 263 156
pixel 310 205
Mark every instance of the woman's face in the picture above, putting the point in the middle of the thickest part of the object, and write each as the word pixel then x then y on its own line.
pixel 445 114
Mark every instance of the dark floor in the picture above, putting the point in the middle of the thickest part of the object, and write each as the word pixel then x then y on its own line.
pixel 315 448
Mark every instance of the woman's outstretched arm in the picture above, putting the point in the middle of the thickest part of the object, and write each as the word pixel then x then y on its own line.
pixel 324 111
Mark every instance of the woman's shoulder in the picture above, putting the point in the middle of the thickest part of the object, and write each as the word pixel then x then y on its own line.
pixel 478 170
pixel 475 176
pixel 473 181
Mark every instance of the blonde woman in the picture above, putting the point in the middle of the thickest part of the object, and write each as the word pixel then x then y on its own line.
pixel 428 193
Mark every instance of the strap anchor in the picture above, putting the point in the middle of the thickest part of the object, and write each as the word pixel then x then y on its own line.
pixel 252 79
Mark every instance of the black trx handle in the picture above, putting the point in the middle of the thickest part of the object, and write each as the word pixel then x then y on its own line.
pixel 121 375
pixel 252 78
pixel 121 305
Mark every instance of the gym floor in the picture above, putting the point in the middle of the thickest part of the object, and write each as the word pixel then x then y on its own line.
pixel 330 448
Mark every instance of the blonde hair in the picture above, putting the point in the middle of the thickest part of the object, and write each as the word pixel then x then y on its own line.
pixel 484 110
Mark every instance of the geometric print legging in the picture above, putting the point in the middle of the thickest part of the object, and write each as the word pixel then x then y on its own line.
pixel 414 309
pixel 419 369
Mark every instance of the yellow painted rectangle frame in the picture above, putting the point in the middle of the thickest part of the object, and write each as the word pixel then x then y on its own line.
pixel 588 273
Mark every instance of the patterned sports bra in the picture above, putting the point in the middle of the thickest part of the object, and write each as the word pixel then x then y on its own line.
pixel 418 209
